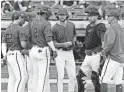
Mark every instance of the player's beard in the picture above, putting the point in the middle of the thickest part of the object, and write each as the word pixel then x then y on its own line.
pixel 110 20
pixel 62 19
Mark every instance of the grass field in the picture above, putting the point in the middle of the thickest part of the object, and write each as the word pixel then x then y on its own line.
pixel 53 80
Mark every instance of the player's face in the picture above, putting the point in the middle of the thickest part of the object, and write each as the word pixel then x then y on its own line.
pixel 92 19
pixel 62 17
pixel 22 21
pixel 47 16
pixel 110 18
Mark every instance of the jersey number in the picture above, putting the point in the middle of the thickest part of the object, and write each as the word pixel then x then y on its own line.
pixel 35 32
pixel 9 38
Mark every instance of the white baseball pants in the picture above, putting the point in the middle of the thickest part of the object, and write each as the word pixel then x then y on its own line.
pixel 91 63
pixel 17 71
pixel 112 69
pixel 40 58
pixel 29 72
pixel 65 59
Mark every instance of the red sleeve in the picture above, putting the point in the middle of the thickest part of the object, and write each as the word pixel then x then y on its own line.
pixel 48 32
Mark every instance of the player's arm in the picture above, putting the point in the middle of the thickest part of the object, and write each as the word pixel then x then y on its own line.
pixel 74 33
pixel 22 38
pixel 48 36
pixel 23 42
pixel 101 31
pixel 62 45
pixel 4 45
pixel 4 50
pixel 109 41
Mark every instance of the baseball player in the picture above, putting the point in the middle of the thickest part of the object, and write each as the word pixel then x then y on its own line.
pixel 114 51
pixel 13 42
pixel 26 30
pixel 41 38
pixel 93 46
pixel 64 36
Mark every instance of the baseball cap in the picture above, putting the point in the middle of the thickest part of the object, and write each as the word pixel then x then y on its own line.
pixel 114 13
pixel 45 8
pixel 17 14
pixel 30 14
pixel 92 10
pixel 62 11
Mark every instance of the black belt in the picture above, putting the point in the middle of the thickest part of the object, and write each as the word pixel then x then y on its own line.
pixel 65 49
pixel 12 53
pixel 90 54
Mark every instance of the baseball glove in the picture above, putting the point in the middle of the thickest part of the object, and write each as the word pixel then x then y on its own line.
pixel 77 45
pixel 53 54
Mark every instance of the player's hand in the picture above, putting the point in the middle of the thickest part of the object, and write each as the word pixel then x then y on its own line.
pixel 54 54
pixel 79 44
pixel 25 52
pixel 67 44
